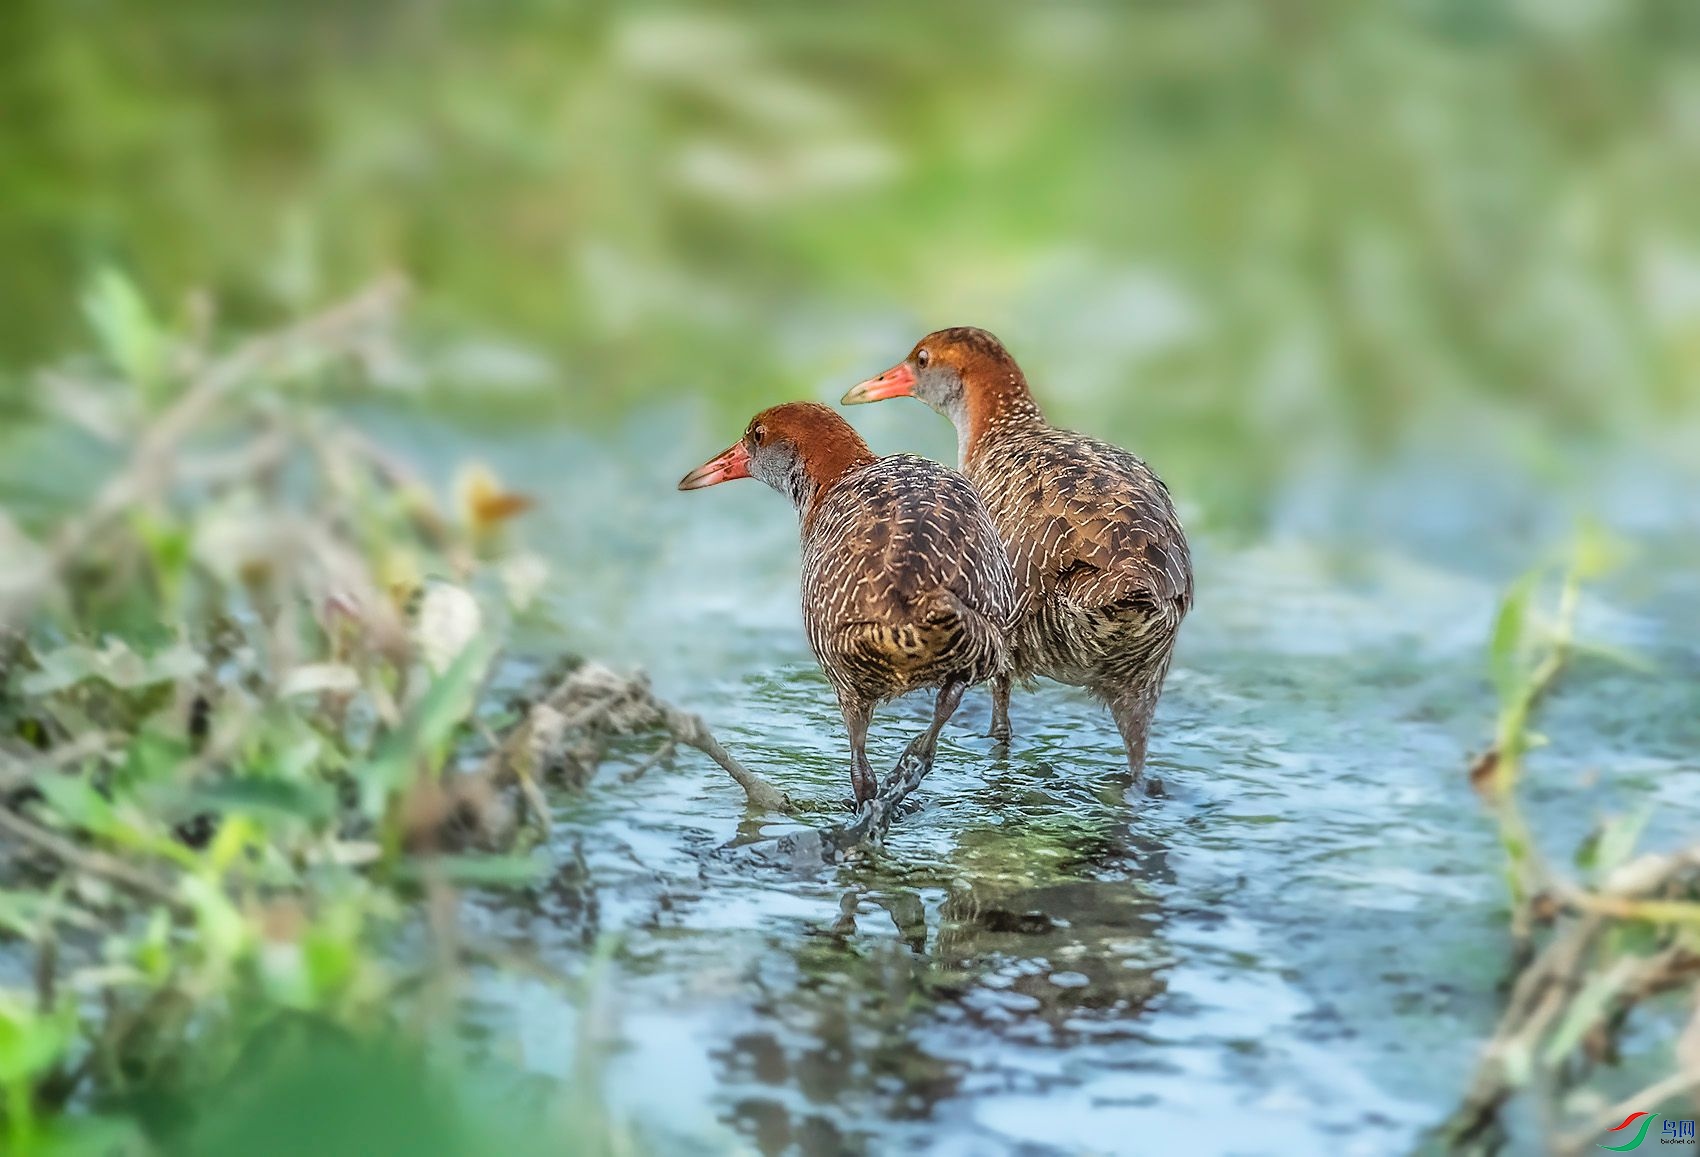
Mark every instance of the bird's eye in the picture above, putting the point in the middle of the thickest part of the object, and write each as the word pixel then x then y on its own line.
pixel 922 357
pixel 758 434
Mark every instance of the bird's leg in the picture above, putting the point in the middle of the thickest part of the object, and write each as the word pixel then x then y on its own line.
pixel 925 745
pixel 857 715
pixel 1135 727
pixel 1000 709
pixel 1133 708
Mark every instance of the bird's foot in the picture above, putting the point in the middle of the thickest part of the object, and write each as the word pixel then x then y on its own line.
pixel 864 784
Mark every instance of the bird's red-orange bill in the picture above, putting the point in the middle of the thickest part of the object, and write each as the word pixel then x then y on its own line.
pixel 897 382
pixel 734 462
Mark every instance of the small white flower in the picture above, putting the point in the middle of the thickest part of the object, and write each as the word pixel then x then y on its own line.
pixel 449 619
pixel 523 577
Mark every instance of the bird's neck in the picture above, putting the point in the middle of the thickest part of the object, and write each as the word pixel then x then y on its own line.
pixel 816 473
pixel 1000 404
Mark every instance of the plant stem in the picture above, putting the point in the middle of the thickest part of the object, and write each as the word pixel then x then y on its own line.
pixel 90 861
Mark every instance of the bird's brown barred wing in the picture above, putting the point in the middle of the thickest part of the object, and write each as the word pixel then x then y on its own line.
pixel 1095 525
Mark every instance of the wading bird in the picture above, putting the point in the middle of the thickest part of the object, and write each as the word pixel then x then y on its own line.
pixel 905 584
pixel 1102 572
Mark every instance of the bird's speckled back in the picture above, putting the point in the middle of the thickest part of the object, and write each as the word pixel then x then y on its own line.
pixel 905 580
pixel 1102 571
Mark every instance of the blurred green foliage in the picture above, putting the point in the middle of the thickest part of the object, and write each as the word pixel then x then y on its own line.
pixel 237 688
pixel 1233 234
pixel 1600 946
pixel 1232 231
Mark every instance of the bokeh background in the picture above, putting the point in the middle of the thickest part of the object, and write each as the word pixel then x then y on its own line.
pixel 1243 238
pixel 1398 296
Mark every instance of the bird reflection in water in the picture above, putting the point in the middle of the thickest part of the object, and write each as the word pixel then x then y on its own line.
pixel 870 1025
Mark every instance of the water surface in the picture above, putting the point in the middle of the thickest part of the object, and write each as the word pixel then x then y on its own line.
pixel 1291 946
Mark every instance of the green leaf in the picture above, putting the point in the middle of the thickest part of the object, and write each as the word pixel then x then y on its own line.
pixel 60 669
pixel 168 545
pixel 32 1041
pixel 1618 838
pixel 1635 938
pixel 128 333
pixel 1596 552
pixel 22 913
pixel 1588 851
pixel 1586 1009
pixel 476 871
pixel 153 952
pixel 77 802
pixel 288 799
pixel 426 729
pixel 332 954
pixel 1515 848
pixel 224 934
pixel 85 1136
pixel 152 758
pixel 1506 650
pixel 114 663
pixel 1617 656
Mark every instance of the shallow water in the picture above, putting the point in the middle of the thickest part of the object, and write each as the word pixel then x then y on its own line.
pixel 1292 947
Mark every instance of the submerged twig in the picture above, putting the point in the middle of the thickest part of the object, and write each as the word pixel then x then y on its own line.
pixel 660 755
pixel 869 827
pixel 1496 772
pixel 561 731
pixel 693 732
pixel 1546 1001
pixel 564 732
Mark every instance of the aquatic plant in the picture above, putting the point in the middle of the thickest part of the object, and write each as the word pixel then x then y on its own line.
pixel 242 648
pixel 1594 950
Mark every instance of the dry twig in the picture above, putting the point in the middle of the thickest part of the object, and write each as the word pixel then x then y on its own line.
pixel 825 846
pixel 87 860
pixel 1545 992
pixel 564 733
pixel 660 755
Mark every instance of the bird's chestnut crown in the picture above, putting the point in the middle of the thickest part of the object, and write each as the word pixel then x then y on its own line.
pixel 799 449
pixel 964 373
